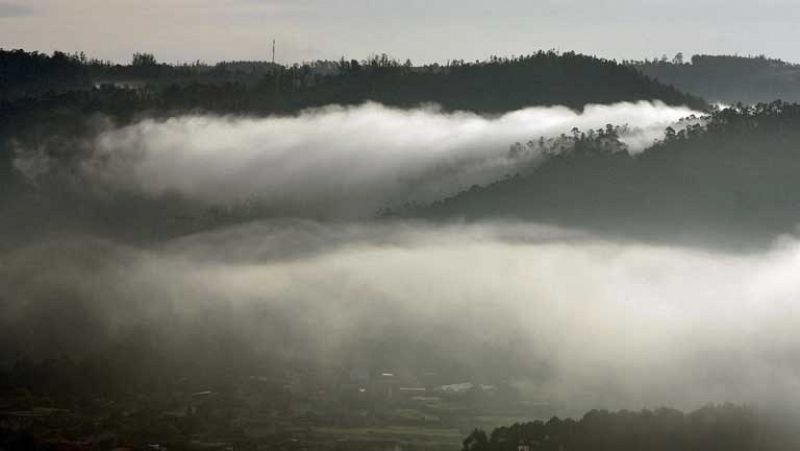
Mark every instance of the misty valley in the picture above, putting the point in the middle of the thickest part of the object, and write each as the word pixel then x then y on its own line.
pixel 549 252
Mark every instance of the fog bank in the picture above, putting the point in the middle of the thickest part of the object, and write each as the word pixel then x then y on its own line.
pixel 337 161
pixel 570 320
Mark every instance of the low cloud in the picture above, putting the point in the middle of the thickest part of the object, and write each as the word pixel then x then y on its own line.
pixel 339 161
pixel 568 319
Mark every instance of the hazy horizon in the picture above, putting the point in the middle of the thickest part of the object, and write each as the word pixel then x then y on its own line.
pixel 183 31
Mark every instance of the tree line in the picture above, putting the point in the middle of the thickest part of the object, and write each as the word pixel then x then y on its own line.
pixel 495 85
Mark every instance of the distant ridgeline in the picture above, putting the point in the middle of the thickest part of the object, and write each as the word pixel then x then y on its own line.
pixel 728 79
pixel 34 81
pixel 730 176
pixel 712 428
pixel 54 95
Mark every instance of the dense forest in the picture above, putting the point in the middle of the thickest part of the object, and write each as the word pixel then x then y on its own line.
pixel 727 78
pixel 722 179
pixel 33 82
pixel 722 427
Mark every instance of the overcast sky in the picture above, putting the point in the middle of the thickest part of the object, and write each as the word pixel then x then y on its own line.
pixel 422 30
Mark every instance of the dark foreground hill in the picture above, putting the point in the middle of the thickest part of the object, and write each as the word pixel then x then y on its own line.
pixel 724 428
pixel 731 181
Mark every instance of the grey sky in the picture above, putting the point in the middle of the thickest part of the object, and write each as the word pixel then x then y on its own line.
pixel 423 30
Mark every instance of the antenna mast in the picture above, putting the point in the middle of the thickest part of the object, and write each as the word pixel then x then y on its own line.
pixel 273 51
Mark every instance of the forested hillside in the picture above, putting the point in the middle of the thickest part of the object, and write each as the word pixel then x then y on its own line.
pixel 33 81
pixel 728 79
pixel 731 176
